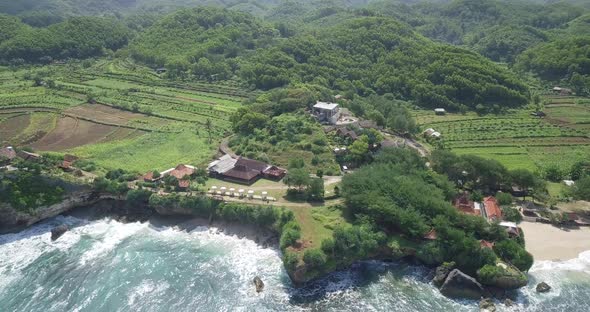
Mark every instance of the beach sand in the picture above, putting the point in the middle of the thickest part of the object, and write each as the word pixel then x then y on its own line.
pixel 547 242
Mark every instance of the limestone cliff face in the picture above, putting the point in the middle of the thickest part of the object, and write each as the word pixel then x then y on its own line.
pixel 173 210
pixel 12 220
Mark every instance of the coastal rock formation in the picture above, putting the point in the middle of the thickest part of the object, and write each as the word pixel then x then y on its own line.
pixel 12 220
pixel 504 277
pixel 258 283
pixel 58 231
pixel 508 302
pixel 461 285
pixel 543 287
pixel 487 305
pixel 442 272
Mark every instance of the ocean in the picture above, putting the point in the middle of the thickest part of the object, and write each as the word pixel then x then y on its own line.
pixel 106 265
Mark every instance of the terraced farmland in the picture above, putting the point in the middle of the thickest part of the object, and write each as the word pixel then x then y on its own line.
pixel 518 139
pixel 48 108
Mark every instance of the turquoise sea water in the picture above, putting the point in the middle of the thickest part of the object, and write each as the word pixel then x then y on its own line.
pixel 106 265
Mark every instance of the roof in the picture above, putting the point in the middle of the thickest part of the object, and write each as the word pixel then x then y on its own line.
pixel 275 171
pixel 182 170
pixel 242 173
pixel 486 244
pixel 491 208
pixel 66 164
pixel 325 105
pixel 251 164
pixel 8 152
pixel 431 235
pixel 27 155
pixel 184 183
pixel 439 110
pixel 347 133
pixel 464 204
pixel 223 164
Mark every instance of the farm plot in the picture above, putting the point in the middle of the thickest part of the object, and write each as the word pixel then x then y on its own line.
pixel 517 139
pixel 11 125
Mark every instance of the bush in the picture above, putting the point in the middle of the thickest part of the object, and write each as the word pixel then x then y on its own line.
pixel 504 198
pixel 511 214
pixel 314 258
pixel 511 252
pixel 290 260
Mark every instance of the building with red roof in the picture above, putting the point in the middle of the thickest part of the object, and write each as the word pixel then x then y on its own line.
pixel 464 204
pixel 486 244
pixel 431 235
pixel 7 154
pixel 184 184
pixel 181 171
pixel 491 209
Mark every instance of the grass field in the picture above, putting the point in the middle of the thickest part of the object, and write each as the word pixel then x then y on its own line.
pixel 517 139
pixel 139 121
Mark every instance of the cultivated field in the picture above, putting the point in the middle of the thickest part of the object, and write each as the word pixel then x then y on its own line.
pixel 517 139
pixel 116 113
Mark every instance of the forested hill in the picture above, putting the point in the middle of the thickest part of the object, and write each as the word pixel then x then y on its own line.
pixel 379 55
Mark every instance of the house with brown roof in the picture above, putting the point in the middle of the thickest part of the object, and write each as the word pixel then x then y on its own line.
pixel 28 155
pixel 491 209
pixel 7 154
pixel 346 133
pixel 486 244
pixel 184 185
pixel 180 171
pixel 464 204
pixel 431 235
pixel 150 177
pixel 243 170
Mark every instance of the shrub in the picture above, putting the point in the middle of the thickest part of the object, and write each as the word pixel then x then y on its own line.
pixel 504 198
pixel 511 214
pixel 290 260
pixel 314 258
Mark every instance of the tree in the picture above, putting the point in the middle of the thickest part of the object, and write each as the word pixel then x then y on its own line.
pixel 523 179
pixel 359 150
pixel 581 190
pixel 511 252
pixel 298 178
pixel 314 258
pixel 315 189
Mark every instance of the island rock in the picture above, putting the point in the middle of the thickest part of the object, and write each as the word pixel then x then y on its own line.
pixel 58 231
pixel 543 287
pixel 461 285
pixel 258 283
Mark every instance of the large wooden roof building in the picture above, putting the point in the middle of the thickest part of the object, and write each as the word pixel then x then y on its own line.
pixel 243 170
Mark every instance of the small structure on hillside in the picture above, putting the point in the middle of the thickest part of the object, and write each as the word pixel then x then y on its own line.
pixel 180 171
pixel 486 244
pixel 160 70
pixel 431 133
pixel 561 91
pixel 491 209
pixel 326 112
pixel 28 155
pixel 511 228
pixel 243 170
pixel 68 162
pixel 347 134
pixel 184 185
pixel 569 182
pixel 431 235
pixel 151 177
pixel 440 111
pixel 464 204
pixel 7 154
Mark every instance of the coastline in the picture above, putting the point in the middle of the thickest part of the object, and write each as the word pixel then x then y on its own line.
pixel 109 208
pixel 548 242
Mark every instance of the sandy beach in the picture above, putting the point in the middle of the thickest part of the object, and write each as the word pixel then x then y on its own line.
pixel 547 242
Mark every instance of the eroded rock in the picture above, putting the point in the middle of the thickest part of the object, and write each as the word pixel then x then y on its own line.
pixel 58 231
pixel 442 272
pixel 258 283
pixel 487 305
pixel 461 285
pixel 543 287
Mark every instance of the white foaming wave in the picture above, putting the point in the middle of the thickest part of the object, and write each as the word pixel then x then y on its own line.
pixel 146 287
pixel 581 263
pixel 25 247
pixel 109 234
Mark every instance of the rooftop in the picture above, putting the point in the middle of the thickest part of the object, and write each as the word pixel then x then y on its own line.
pixel 325 105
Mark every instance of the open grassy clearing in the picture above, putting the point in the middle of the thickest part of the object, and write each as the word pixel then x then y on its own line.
pixel 517 139
pixel 140 122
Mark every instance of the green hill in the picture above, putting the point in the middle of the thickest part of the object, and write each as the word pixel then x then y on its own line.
pixel 379 55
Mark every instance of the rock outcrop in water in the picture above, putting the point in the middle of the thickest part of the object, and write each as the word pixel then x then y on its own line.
pixel 442 272
pixel 543 287
pixel 58 231
pixel 487 305
pixel 259 284
pixel 461 285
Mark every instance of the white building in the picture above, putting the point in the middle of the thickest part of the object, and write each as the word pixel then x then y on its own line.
pixel 326 112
